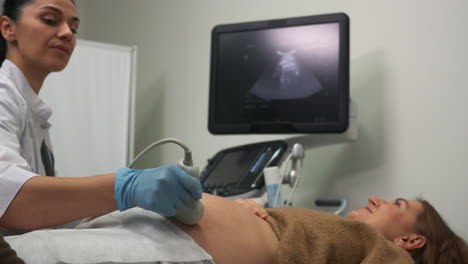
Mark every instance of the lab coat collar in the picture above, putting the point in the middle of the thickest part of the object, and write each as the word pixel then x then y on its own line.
pixel 34 102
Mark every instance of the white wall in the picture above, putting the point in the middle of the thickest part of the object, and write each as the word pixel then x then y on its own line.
pixel 408 64
pixel 95 89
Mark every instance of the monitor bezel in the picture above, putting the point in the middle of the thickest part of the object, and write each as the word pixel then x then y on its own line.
pixel 342 123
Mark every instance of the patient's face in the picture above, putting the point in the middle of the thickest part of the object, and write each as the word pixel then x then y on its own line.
pixel 391 218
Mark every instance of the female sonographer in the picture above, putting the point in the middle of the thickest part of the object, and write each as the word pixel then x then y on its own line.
pixel 38 37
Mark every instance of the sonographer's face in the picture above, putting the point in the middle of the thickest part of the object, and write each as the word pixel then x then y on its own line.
pixel 391 218
pixel 45 33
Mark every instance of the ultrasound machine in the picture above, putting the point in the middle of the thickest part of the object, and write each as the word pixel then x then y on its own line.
pixel 282 76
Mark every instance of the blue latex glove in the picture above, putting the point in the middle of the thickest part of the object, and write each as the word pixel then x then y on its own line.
pixel 161 190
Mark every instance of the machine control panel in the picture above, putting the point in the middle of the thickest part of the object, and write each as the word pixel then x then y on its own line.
pixel 238 170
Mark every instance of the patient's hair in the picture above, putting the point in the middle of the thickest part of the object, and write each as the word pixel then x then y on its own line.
pixel 442 244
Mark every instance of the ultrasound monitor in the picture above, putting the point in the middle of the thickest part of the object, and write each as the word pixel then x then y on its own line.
pixel 280 76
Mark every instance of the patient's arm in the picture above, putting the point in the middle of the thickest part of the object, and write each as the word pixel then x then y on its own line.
pixel 232 234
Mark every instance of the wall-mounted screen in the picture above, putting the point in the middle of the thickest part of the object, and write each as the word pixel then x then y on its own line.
pixel 280 76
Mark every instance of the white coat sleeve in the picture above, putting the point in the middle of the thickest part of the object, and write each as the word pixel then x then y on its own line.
pixel 14 169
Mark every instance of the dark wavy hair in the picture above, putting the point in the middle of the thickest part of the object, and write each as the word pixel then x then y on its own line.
pixel 12 9
pixel 442 244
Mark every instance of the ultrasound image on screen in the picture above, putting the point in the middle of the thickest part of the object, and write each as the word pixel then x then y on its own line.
pixel 278 74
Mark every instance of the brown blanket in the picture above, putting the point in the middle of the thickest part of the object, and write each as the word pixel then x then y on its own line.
pixel 308 236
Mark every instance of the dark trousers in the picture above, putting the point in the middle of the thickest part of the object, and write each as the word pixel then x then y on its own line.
pixel 8 255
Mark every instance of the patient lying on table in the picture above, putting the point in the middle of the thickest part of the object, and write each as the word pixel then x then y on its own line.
pixel 398 231
pixel 395 231
pixel 243 232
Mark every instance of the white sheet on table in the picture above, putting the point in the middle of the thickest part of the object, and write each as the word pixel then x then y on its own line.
pixel 132 236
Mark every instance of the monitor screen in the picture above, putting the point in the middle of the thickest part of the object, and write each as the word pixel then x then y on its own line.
pixel 280 76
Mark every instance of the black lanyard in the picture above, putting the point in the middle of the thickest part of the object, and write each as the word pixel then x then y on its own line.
pixel 47 160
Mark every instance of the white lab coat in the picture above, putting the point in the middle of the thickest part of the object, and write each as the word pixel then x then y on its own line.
pixel 23 127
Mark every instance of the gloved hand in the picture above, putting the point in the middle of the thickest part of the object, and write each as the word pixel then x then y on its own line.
pixel 161 190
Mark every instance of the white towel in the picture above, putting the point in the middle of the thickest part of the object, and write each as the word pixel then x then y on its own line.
pixel 132 236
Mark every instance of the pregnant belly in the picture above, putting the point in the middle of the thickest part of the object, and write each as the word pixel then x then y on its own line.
pixel 232 234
